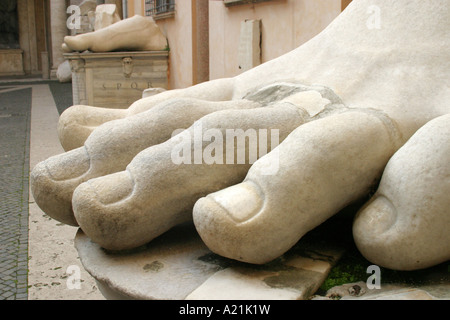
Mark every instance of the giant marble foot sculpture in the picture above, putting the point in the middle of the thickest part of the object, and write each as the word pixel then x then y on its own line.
pixel 323 166
pixel 78 122
pixel 405 226
pixel 157 191
pixel 353 106
pixel 134 34
pixel 111 148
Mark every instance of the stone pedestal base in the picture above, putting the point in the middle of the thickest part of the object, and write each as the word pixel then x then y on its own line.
pixel 178 266
pixel 11 62
pixel 116 79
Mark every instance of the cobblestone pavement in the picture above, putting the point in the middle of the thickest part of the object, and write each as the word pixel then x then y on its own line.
pixel 15 117
pixel 15 112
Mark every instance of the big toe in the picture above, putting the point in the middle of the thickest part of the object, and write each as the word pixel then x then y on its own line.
pixel 75 43
pixel 226 223
pixel 405 226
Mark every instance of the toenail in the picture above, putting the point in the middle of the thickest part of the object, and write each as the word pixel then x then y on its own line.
pixel 68 165
pixel 111 188
pixel 379 216
pixel 242 202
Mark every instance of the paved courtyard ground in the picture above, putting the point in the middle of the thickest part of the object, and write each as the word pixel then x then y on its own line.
pixel 37 256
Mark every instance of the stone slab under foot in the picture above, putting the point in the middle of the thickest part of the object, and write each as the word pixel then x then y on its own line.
pixel 178 266
pixel 439 290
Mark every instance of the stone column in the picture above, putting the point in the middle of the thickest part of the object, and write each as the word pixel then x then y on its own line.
pixel 58 18
pixel 27 35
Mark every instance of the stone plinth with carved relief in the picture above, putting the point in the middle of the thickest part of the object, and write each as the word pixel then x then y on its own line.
pixel 116 79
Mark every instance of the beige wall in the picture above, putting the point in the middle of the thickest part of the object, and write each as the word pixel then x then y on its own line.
pixel 285 25
pixel 178 30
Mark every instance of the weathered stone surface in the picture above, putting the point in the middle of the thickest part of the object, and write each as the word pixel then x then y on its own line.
pixel 151 210
pixel 11 62
pixel 151 92
pixel 54 174
pixel 178 265
pixel 360 291
pixel 87 6
pixel 116 79
pixel 249 52
pixel 106 15
pixel 132 34
pixel 129 190
pixel 396 294
pixel 411 205
pixel 323 184
pixel 64 72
